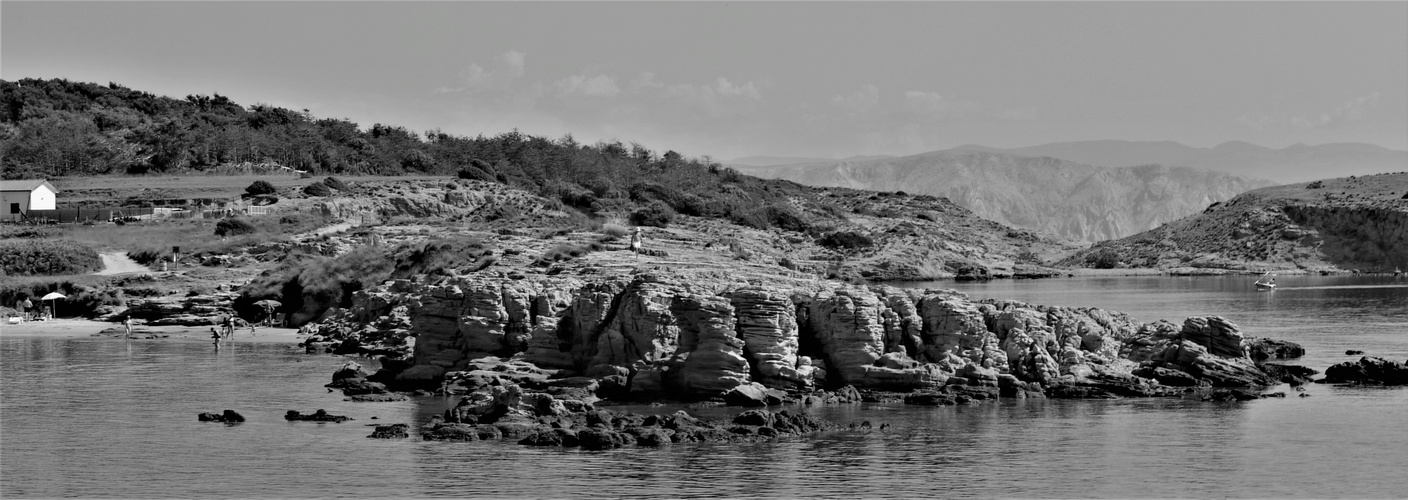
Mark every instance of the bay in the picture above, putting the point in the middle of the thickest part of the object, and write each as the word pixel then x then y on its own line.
pixel 98 417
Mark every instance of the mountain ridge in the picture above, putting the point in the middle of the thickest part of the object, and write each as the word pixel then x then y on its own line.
pixel 1063 198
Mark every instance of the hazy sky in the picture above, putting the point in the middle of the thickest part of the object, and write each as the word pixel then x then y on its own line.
pixel 740 79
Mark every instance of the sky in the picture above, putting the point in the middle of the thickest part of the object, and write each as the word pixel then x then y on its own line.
pixel 735 79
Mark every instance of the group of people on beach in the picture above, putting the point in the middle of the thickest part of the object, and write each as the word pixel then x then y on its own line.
pixel 30 313
pixel 226 328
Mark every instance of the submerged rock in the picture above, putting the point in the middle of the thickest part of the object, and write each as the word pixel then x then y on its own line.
pixel 228 416
pixel 317 416
pixel 393 431
pixel 1368 370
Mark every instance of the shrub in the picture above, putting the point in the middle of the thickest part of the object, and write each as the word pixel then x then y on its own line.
pixel 614 231
pixel 472 173
pixel 562 252
pixel 260 187
pixel 317 189
pixel 40 257
pixel 309 286
pixel 336 183
pixel 233 227
pixel 439 253
pixel 1104 258
pixel 84 294
pixel 655 214
pixel 846 240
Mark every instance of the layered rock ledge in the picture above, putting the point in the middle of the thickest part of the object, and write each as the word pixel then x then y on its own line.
pixel 652 336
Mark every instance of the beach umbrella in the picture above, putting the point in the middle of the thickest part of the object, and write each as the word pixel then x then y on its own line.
pixel 269 306
pixel 53 296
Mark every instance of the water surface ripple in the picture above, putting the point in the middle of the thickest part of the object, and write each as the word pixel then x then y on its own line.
pixel 92 417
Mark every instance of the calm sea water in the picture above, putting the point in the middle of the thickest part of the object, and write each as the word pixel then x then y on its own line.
pixel 110 418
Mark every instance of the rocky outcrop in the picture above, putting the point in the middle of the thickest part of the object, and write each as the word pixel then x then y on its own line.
pixel 317 416
pixel 654 336
pixel 710 355
pixel 1368 370
pixel 540 419
pixel 228 416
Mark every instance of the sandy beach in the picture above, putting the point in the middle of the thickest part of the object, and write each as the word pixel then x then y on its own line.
pixel 67 328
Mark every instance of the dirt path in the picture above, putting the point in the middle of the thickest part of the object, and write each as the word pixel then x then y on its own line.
pixel 119 263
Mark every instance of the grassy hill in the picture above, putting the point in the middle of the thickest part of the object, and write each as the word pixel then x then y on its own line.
pixel 1349 223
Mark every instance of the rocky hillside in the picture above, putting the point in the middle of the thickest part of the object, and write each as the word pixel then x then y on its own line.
pixel 1069 200
pixel 1337 224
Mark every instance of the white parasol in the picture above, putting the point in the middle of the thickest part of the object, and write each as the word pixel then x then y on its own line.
pixel 53 296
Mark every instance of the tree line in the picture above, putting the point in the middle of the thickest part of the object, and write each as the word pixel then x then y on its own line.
pixel 55 128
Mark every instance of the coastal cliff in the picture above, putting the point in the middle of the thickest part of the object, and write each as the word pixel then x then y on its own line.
pixel 1351 223
pixel 658 335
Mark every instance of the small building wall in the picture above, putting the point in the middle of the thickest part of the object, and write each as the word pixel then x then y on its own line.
pixel 42 199
pixel 9 197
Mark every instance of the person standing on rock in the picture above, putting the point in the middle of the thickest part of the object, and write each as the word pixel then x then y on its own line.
pixel 636 241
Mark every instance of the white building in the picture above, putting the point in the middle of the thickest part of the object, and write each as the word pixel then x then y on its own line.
pixel 17 198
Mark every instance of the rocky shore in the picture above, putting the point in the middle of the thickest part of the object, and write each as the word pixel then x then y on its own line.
pixel 662 336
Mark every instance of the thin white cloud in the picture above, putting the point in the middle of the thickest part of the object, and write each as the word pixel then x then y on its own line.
pixel 595 86
pixel 1353 110
pixel 474 78
pixel 862 101
pixel 934 105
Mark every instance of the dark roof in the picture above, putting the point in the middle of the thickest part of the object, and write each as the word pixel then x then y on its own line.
pixel 26 185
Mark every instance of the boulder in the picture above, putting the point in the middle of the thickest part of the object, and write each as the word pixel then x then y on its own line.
pixel 753 395
pixel 393 431
pixel 1219 336
pixel 317 416
pixel 1262 349
pixel 228 416
pixel 1368 370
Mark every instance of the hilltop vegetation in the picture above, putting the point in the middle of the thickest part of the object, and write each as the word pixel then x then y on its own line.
pixel 1350 223
pixel 62 128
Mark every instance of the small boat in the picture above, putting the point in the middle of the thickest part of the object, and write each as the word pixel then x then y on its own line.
pixel 1265 283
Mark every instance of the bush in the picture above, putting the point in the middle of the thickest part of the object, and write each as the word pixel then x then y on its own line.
pixel 614 231
pixel 84 294
pixel 260 187
pixel 562 252
pixel 336 183
pixel 317 189
pixel 234 227
pixel 475 174
pixel 1104 258
pixel 38 257
pixel 846 240
pixel 309 286
pixel 655 214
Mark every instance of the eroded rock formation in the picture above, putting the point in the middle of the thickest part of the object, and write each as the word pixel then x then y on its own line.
pixel 650 336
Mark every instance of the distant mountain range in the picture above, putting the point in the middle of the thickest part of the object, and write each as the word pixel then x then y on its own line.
pixel 1068 199
pixel 1297 163
pixel 773 161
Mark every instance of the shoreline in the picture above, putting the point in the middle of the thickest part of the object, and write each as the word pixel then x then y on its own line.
pixel 82 328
